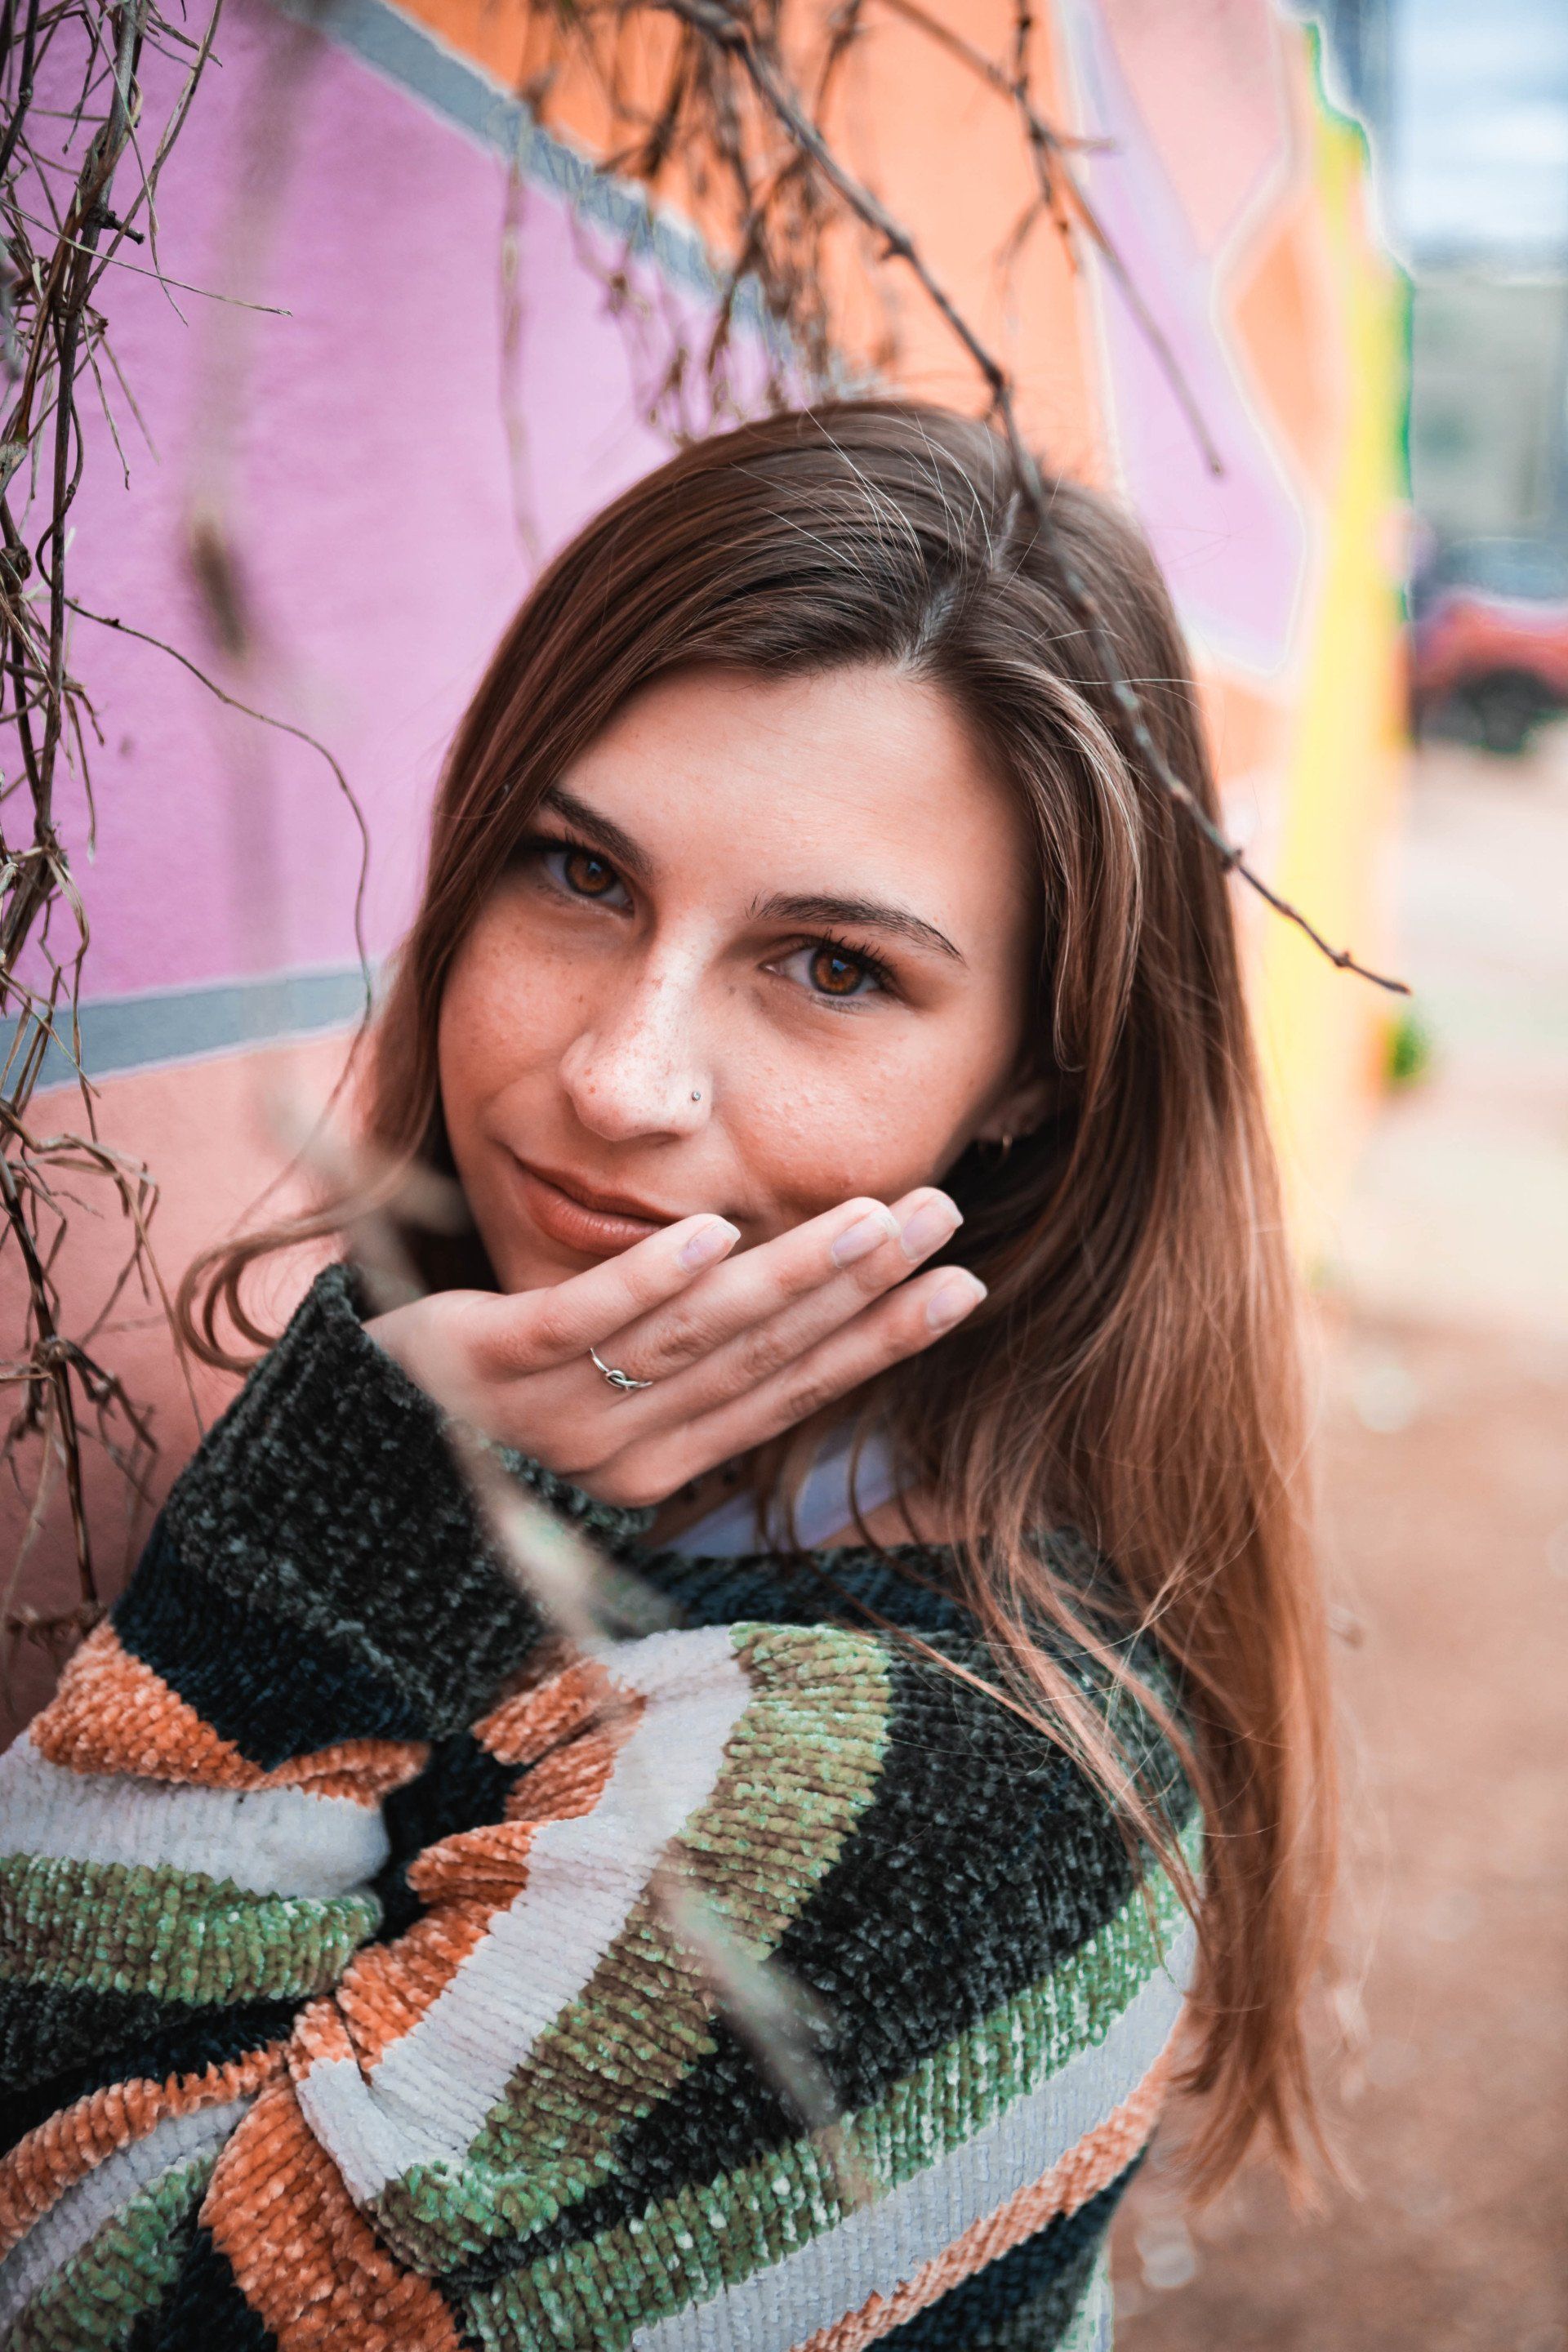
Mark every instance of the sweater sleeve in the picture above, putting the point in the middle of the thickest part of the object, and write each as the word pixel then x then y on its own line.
pixel 194 1835
pixel 534 2119
pixel 516 2110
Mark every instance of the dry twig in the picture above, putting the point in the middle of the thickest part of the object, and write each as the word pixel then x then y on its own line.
pixel 57 252
pixel 790 189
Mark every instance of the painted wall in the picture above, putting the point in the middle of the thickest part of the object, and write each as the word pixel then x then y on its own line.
pixel 402 463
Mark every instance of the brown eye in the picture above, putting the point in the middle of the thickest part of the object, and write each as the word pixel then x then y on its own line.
pixel 833 974
pixel 588 875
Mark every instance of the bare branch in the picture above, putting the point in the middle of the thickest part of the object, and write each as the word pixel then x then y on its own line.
pixel 56 341
pixel 723 24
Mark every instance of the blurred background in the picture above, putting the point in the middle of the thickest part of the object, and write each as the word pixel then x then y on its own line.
pixel 1443 1295
pixel 417 295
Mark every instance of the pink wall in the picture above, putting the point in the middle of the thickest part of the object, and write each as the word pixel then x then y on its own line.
pixel 1173 96
pixel 373 508
pixel 373 517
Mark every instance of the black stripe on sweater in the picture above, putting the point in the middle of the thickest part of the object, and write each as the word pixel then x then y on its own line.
pixel 981 1863
pixel 187 2041
pixel 463 1787
pixel 326 1496
pixel 1026 2298
pixel 206 2311
pixel 274 1688
pixel 49 2031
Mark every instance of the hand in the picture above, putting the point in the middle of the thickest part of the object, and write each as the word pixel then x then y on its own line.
pixel 734 1352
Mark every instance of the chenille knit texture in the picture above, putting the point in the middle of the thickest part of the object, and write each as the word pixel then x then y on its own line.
pixel 343 2005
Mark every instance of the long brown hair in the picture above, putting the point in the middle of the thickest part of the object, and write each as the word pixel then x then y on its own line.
pixel 1133 1370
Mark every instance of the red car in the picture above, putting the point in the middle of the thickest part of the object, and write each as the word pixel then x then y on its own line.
pixel 1490 641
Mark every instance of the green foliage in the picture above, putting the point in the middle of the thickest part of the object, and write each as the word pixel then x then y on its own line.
pixel 1410 1048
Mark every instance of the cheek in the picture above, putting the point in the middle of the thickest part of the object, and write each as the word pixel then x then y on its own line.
pixel 501 1010
pixel 878 1118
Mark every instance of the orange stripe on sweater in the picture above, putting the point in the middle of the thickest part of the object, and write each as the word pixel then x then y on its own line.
pixel 1081 2174
pixel 114 1713
pixel 563 1787
pixel 492 1860
pixel 530 1723
pixel 67 2147
pixel 305 2259
pixel 466 1879
pixel 388 1987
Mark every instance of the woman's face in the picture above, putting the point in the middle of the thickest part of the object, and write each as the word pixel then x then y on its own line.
pixel 768 948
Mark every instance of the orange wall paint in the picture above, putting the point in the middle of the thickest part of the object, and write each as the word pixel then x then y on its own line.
pixel 945 156
pixel 1310 755
pixel 214 1132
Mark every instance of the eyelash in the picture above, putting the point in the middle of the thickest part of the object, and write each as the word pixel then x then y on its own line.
pixel 540 845
pixel 871 964
pixel 543 845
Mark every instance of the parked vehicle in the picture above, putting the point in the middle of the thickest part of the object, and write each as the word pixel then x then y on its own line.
pixel 1490 641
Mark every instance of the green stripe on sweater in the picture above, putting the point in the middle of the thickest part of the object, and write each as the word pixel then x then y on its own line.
pixel 712 2235
pixel 92 2303
pixel 118 1926
pixel 800 1769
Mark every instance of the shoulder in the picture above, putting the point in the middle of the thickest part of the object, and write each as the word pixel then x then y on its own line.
pixel 804 1746
pixel 692 1827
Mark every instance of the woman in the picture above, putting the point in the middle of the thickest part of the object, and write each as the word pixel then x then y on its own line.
pixel 834 1038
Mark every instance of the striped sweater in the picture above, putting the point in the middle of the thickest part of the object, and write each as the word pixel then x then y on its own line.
pixel 339 2009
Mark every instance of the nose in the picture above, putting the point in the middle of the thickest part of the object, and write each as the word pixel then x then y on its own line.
pixel 635 1069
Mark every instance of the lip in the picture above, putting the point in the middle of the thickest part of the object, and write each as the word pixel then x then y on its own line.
pixel 593 1224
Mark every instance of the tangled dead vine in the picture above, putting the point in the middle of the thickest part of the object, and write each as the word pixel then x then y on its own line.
pixel 726 107
pixel 77 188
pixel 741 119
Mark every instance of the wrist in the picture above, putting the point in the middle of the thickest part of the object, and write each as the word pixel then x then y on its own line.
pixel 411 1336
pixel 326 1499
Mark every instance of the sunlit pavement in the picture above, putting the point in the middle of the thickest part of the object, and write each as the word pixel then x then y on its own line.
pixel 1443 2048
pixel 1460 1207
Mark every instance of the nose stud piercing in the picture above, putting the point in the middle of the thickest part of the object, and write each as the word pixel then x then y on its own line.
pixel 696 1094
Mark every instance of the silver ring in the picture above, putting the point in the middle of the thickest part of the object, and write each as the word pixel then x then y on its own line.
pixel 617 1379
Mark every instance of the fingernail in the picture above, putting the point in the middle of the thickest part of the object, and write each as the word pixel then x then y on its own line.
pixel 953 1301
pixel 863 1236
pixel 708 1242
pixel 927 1227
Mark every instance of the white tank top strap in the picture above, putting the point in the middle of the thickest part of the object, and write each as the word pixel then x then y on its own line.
pixel 825 1503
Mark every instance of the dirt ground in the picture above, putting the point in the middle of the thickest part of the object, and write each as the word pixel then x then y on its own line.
pixel 1442 2047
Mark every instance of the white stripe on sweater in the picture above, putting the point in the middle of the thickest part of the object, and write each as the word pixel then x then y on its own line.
pixel 877 2247
pixel 430 2094
pixel 76 2217
pixel 266 1840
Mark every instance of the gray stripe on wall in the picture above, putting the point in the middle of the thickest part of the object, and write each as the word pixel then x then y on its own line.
pixel 173 1025
pixel 454 87
pixel 140 1032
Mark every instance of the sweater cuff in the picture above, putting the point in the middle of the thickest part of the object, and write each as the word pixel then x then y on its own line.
pixel 328 1497
pixel 620 1528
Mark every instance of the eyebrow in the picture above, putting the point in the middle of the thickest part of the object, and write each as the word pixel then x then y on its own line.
pixel 607 835
pixel 870 914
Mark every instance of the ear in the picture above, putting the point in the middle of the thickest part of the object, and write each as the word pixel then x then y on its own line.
pixel 1020 1111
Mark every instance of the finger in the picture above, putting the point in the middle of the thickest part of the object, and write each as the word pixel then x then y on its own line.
pixel 752 1316
pixel 925 1220
pixel 533 1329
pixel 895 1328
